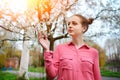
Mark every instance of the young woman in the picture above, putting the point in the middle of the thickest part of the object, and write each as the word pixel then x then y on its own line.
pixel 73 60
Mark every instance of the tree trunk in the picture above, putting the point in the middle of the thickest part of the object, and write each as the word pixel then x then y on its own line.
pixel 23 71
pixel 51 44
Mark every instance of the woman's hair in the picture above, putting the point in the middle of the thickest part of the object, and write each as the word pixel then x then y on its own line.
pixel 85 22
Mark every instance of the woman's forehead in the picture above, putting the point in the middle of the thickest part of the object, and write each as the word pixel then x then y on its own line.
pixel 73 18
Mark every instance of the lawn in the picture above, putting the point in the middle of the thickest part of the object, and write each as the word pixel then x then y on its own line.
pixel 103 72
pixel 9 76
pixel 109 73
pixel 38 69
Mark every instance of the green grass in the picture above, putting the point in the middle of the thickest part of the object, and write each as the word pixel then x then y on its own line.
pixel 37 78
pixel 32 69
pixel 9 76
pixel 109 73
pixel 38 69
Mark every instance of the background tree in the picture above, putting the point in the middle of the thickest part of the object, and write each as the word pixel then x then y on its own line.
pixel 5 53
pixel 113 52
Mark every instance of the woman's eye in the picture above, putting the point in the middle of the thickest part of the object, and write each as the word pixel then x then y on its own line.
pixel 68 23
pixel 74 23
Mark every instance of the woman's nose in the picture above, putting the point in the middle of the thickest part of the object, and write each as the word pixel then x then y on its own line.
pixel 69 26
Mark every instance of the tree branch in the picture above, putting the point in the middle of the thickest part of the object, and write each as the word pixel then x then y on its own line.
pixel 15 40
pixel 68 7
pixel 6 29
pixel 98 15
pixel 12 31
pixel 62 36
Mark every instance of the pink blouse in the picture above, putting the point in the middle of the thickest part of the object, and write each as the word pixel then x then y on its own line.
pixel 69 63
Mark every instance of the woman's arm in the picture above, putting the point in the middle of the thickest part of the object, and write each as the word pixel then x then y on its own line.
pixel 51 62
pixel 96 68
pixel 51 59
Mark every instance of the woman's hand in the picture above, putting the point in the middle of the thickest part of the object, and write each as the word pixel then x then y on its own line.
pixel 43 40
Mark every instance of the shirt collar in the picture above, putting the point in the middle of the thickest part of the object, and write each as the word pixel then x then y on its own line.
pixel 83 46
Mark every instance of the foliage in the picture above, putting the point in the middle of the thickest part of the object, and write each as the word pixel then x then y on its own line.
pixel 8 52
pixel 36 59
pixel 112 48
pixel 108 73
pixel 6 48
pixel 2 60
pixel 17 53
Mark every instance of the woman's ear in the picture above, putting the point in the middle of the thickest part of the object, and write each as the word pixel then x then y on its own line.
pixel 84 29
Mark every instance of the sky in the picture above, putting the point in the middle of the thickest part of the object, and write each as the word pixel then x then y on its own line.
pixel 15 5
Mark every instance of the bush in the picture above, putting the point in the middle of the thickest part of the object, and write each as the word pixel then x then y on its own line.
pixel 2 60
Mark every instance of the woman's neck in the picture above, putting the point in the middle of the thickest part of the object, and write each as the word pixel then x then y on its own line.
pixel 78 42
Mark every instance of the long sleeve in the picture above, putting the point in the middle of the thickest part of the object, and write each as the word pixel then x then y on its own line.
pixel 96 68
pixel 52 62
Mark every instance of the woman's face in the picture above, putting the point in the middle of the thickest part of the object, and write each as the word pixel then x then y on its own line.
pixel 75 27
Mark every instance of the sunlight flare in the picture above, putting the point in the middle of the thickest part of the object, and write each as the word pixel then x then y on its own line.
pixel 18 6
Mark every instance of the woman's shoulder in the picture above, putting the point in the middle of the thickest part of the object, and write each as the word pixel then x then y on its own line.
pixel 94 50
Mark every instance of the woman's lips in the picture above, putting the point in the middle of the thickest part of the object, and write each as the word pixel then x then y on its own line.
pixel 70 30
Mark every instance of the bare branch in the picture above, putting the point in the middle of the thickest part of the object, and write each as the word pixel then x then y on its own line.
pixel 98 15
pixel 6 29
pixel 69 6
pixel 15 40
pixel 62 36
pixel 12 31
pixel 55 25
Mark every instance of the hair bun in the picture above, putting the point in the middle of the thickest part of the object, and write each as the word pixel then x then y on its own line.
pixel 90 20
